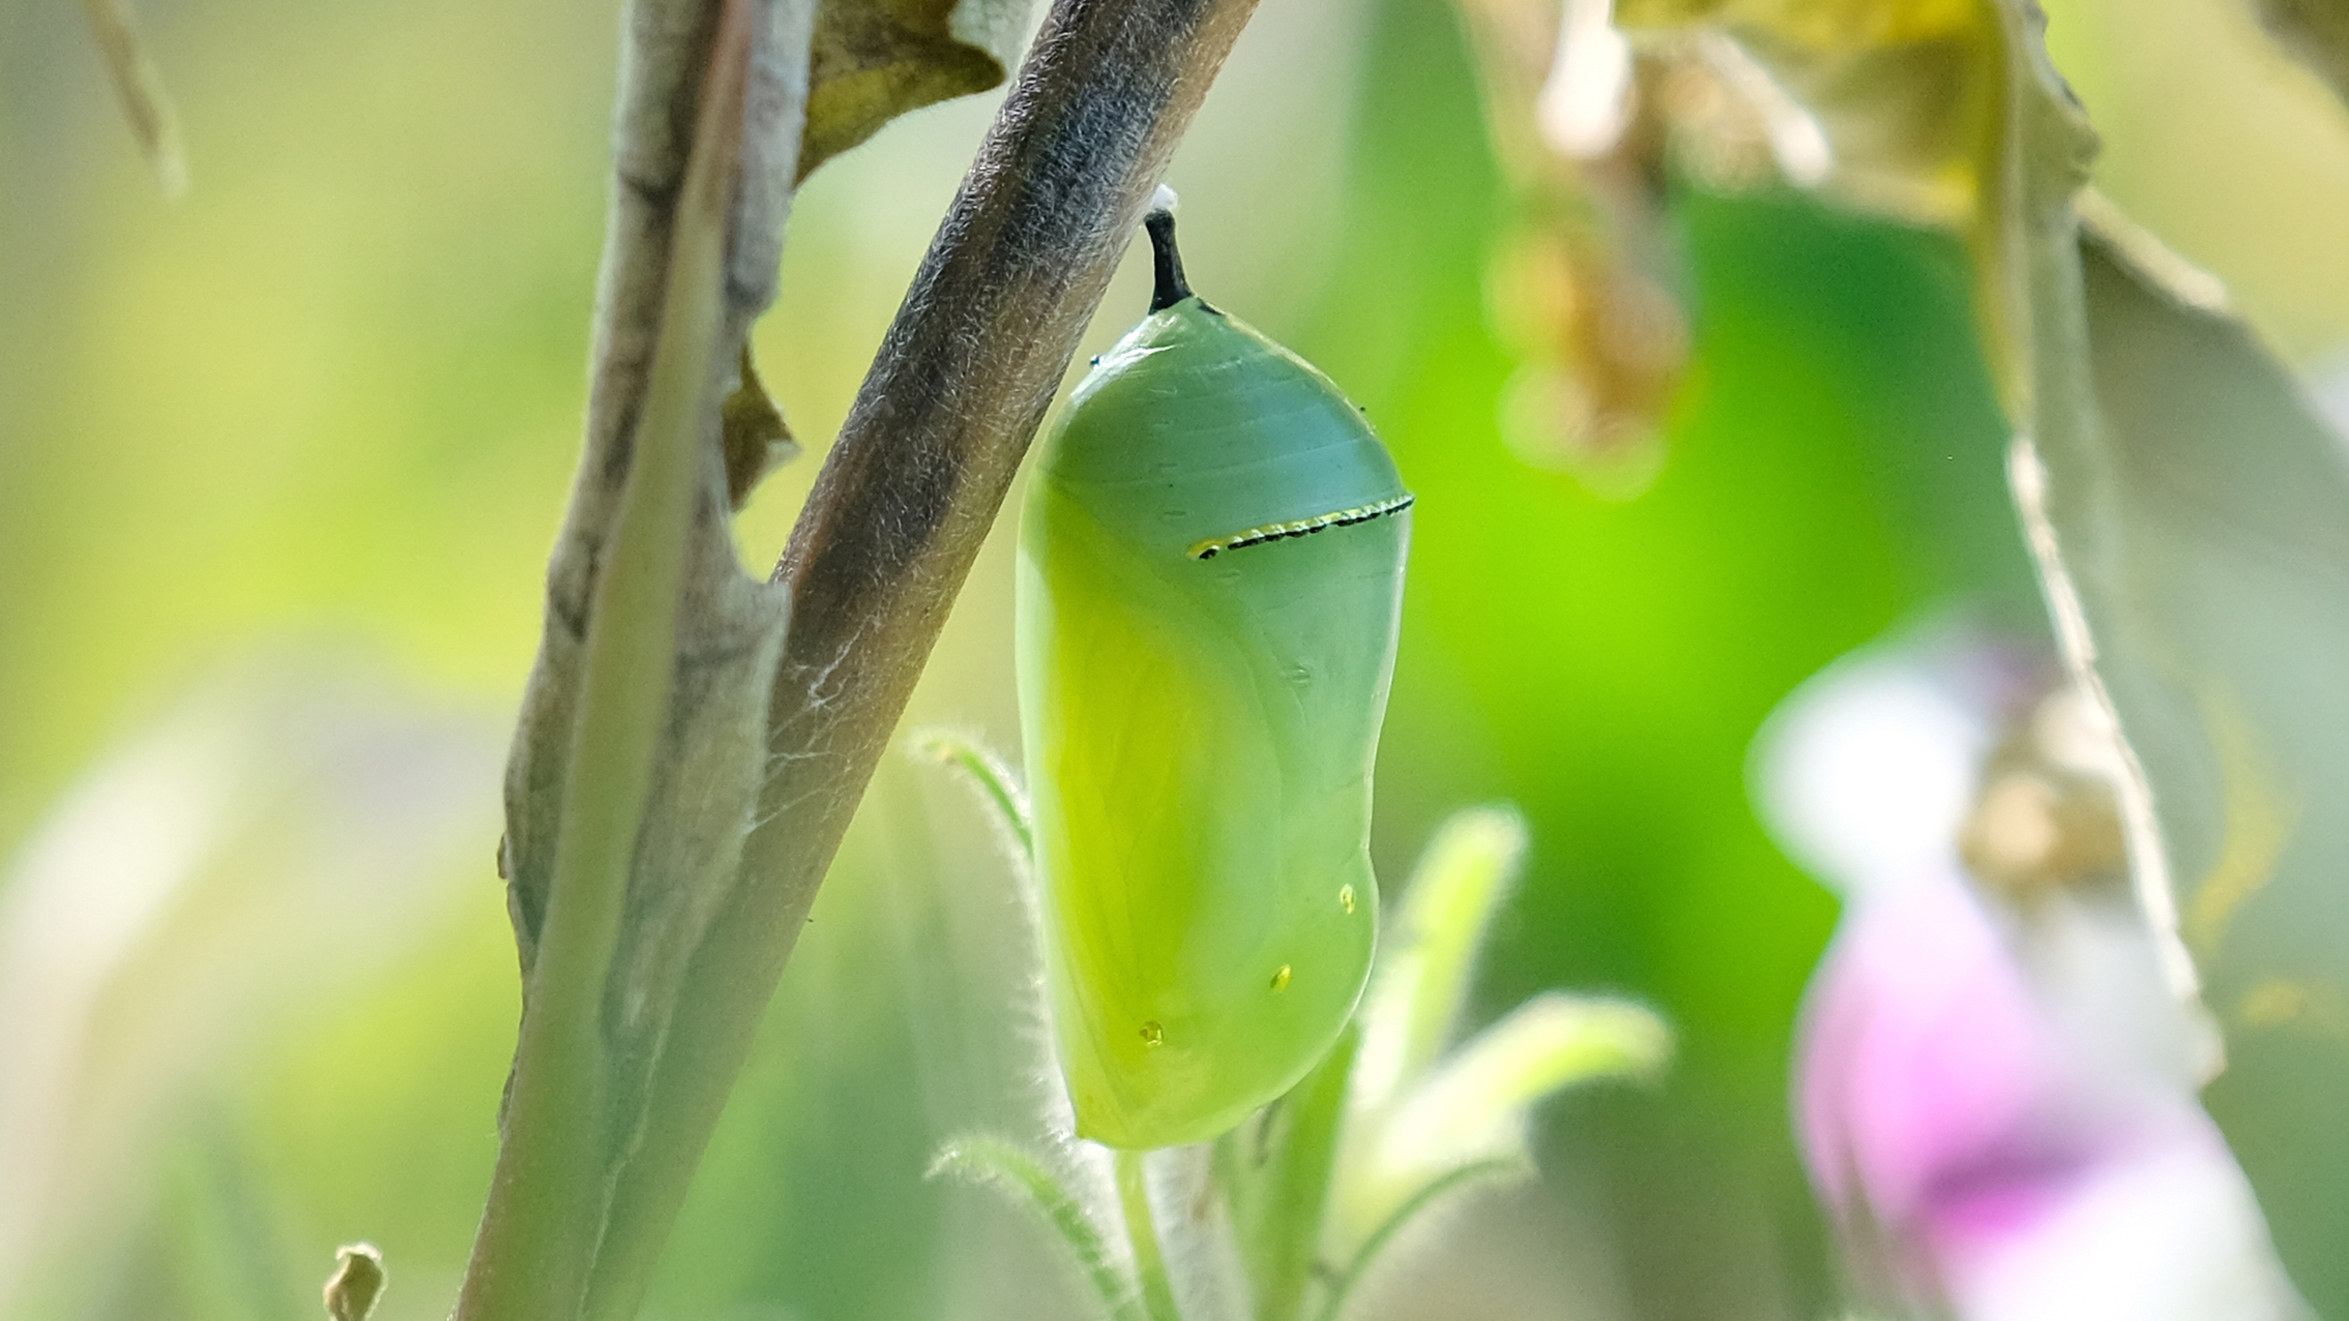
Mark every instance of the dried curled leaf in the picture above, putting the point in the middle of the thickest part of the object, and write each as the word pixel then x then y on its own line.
pixel 752 433
pixel 1907 92
pixel 356 1284
pixel 873 60
pixel 1586 291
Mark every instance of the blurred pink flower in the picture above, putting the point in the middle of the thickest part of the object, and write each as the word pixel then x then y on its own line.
pixel 1996 1104
pixel 1985 1160
pixel 1925 1072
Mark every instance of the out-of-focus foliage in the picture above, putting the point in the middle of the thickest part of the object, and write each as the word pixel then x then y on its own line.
pixel 1423 1111
pixel 337 390
pixel 188 946
pixel 1296 1206
pixel 2162 486
pixel 2315 30
pixel 2212 559
pixel 1586 287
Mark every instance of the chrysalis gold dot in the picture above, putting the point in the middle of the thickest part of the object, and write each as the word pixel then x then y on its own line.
pixel 1346 897
pixel 1280 979
pixel 1152 1034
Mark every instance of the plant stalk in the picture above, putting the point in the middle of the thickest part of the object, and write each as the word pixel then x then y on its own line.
pixel 545 1219
pixel 913 484
pixel 1133 1200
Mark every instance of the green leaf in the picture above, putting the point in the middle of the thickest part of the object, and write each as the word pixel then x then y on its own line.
pixel 1276 1172
pixel 1475 1108
pixel 1458 1179
pixel 1005 1165
pixel 997 784
pixel 1476 1104
pixel 2206 536
pixel 1412 1122
pixel 1428 953
pixel 873 60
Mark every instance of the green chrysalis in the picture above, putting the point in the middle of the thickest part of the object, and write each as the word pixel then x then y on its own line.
pixel 1210 567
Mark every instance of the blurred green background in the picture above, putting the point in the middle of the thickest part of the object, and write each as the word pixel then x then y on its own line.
pixel 280 465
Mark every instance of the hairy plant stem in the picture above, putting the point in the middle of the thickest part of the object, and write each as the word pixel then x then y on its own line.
pixel 1287 1240
pixel 1133 1199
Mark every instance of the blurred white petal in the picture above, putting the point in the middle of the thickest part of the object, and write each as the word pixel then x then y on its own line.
pixel 1586 102
pixel 1866 772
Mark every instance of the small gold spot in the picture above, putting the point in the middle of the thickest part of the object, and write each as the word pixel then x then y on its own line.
pixel 1346 897
pixel 1153 1035
pixel 1280 980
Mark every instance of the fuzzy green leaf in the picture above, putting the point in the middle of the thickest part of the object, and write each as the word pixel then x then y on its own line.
pixel 998 1163
pixel 1458 1179
pixel 997 784
pixel 1428 952
pixel 1475 1107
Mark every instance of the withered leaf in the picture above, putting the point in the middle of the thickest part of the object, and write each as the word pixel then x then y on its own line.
pixel 873 60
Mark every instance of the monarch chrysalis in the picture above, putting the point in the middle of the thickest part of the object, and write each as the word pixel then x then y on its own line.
pixel 1210 567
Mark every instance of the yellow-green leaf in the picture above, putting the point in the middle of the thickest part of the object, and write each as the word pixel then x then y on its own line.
pixel 873 60
pixel 752 433
pixel 1424 968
